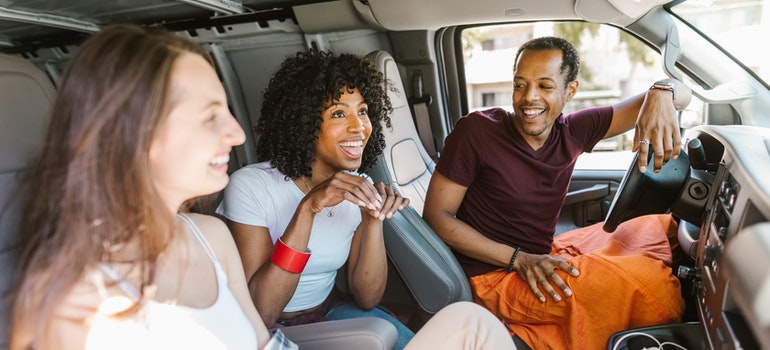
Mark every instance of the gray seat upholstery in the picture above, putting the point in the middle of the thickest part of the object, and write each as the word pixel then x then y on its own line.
pixel 425 263
pixel 409 164
pixel 25 96
pixel 355 333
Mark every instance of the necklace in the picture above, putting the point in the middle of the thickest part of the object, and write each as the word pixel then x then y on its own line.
pixel 330 210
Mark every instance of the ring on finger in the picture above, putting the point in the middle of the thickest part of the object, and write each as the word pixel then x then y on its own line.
pixel 644 142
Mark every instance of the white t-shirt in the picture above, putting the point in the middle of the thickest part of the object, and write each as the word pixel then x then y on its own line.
pixel 260 195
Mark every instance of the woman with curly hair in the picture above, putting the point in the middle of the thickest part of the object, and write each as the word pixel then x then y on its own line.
pixel 307 208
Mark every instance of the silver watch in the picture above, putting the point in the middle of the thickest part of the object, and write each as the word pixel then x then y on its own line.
pixel 665 85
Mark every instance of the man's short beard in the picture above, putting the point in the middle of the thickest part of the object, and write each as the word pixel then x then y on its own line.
pixel 540 132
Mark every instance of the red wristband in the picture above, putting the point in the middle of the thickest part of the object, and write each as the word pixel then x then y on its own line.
pixel 288 258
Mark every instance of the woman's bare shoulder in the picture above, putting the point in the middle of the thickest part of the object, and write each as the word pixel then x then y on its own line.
pixel 216 233
pixel 213 228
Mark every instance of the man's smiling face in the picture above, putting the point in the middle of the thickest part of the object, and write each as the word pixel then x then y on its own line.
pixel 539 93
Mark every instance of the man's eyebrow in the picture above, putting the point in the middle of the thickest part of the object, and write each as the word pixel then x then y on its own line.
pixel 538 79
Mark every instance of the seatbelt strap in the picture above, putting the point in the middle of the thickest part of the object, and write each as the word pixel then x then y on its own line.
pixel 420 103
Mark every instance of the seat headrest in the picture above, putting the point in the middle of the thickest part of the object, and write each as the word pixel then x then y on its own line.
pixel 387 65
pixel 405 154
pixel 26 94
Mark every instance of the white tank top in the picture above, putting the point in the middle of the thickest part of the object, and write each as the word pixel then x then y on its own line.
pixel 158 325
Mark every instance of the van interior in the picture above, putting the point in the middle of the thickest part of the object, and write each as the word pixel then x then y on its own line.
pixel 720 189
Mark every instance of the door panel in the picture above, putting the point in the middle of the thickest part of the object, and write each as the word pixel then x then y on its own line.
pixel 589 197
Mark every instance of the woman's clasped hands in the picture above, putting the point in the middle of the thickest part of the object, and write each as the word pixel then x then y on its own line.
pixel 377 201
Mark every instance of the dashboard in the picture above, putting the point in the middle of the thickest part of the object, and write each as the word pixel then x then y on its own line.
pixel 731 281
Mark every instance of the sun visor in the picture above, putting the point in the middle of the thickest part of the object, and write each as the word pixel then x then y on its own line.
pixel 635 8
pixel 331 16
pixel 614 11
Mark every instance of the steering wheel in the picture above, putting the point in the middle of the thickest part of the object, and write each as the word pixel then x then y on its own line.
pixel 647 193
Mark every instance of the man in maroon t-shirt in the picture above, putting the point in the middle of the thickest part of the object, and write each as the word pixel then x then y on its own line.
pixel 503 176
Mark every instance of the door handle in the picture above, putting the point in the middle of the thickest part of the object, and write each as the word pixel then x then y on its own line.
pixel 594 192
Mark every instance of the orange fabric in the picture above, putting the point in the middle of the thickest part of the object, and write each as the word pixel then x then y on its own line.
pixel 625 282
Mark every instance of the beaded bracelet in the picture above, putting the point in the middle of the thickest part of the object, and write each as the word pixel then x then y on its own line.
pixel 288 258
pixel 513 259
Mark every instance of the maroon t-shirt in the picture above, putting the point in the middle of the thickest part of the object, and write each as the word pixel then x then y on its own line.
pixel 515 193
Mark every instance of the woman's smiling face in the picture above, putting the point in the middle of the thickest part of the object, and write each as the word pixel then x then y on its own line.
pixel 343 134
pixel 190 150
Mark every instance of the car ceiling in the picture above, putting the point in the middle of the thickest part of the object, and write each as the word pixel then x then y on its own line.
pixel 44 22
pixel 26 24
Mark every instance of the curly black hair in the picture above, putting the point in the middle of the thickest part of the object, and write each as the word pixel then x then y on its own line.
pixel 295 98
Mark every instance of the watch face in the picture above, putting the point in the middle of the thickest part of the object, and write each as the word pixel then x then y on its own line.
pixel 665 85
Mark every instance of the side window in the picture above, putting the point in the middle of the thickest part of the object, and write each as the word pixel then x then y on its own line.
pixel 614 66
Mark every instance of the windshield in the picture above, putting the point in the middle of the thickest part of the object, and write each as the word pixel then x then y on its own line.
pixel 735 25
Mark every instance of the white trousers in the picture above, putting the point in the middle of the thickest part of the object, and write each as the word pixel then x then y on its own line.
pixel 462 325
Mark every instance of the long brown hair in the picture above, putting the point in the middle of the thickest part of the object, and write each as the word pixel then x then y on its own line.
pixel 89 192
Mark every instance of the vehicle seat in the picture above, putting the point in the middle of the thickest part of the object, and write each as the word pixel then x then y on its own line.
pixel 409 164
pixel 425 263
pixel 26 94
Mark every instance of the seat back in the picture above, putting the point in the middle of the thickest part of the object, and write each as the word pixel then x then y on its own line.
pixel 425 263
pixel 409 164
pixel 26 95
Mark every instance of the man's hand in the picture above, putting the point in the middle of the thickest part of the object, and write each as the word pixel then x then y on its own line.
pixel 538 270
pixel 657 127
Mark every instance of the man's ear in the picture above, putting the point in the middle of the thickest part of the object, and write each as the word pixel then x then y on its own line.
pixel 572 88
